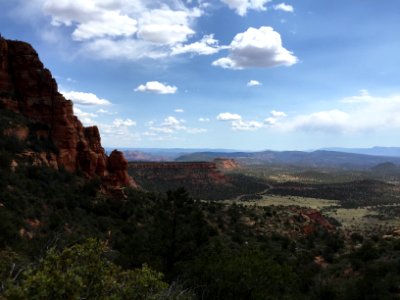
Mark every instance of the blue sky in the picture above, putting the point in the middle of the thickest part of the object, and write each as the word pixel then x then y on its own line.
pixel 239 74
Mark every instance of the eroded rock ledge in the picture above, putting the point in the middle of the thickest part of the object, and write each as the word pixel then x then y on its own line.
pixel 28 88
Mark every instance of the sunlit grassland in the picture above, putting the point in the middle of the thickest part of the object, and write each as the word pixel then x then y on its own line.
pixel 362 218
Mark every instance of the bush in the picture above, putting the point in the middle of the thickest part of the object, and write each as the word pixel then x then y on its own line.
pixel 83 272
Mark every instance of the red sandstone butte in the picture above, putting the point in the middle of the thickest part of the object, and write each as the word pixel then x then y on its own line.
pixel 27 87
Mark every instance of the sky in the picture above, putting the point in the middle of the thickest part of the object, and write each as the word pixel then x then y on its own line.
pixel 233 74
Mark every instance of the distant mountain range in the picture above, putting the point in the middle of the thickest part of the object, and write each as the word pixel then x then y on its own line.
pixel 377 151
pixel 319 158
pixel 162 154
pixel 330 157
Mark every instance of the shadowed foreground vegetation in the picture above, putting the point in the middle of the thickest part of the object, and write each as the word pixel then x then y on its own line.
pixel 62 239
pixel 48 220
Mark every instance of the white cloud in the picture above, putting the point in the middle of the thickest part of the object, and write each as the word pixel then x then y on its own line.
pixel 204 120
pixel 363 96
pixel 284 7
pixel 257 48
pixel 169 127
pixel 83 114
pixel 179 110
pixel 122 122
pixel 119 133
pixel 92 18
pixel 278 114
pixel 206 46
pixel 110 23
pixel 364 113
pixel 237 123
pixel 156 87
pixel 195 130
pixel 85 117
pixel 325 121
pixel 246 125
pixel 105 112
pixel 254 83
pixel 167 26
pixel 172 122
pixel 126 29
pixel 127 49
pixel 69 12
pixel 227 116
pixel 242 6
pixel 84 98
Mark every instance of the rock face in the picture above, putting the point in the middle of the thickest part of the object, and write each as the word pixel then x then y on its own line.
pixel 118 165
pixel 28 88
pixel 226 164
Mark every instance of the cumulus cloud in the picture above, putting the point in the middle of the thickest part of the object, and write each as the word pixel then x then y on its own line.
pixel 204 120
pixel 363 96
pixel 284 7
pixel 125 29
pixel 242 6
pixel 254 83
pixel 105 112
pixel 227 116
pixel 91 18
pixel 122 122
pixel 179 110
pixel 156 87
pixel 126 49
pixel 246 125
pixel 363 113
pixel 325 121
pixel 167 26
pixel 206 46
pixel 83 98
pixel 82 114
pixel 168 128
pixel 274 118
pixel 85 117
pixel 172 122
pixel 109 24
pixel 260 47
pixel 237 123
pixel 119 132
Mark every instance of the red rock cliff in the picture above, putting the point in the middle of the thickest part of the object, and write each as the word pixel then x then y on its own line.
pixel 27 87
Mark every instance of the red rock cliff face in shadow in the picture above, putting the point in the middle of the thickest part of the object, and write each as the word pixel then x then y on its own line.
pixel 28 88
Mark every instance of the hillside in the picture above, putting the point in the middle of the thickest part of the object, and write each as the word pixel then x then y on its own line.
pixel 318 158
pixel 202 180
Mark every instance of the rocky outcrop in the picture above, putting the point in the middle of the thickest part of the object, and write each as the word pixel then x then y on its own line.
pixel 118 166
pixel 28 88
pixel 226 164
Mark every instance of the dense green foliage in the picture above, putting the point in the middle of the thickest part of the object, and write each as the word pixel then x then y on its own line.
pixel 204 249
pixel 60 238
pixel 84 272
pixel 199 183
pixel 350 194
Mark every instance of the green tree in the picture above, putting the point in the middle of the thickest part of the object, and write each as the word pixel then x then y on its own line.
pixel 245 273
pixel 83 272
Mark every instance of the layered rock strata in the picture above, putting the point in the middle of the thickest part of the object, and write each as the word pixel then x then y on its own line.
pixel 28 88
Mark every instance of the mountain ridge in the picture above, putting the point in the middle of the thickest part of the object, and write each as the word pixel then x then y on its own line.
pixel 318 158
pixel 28 89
